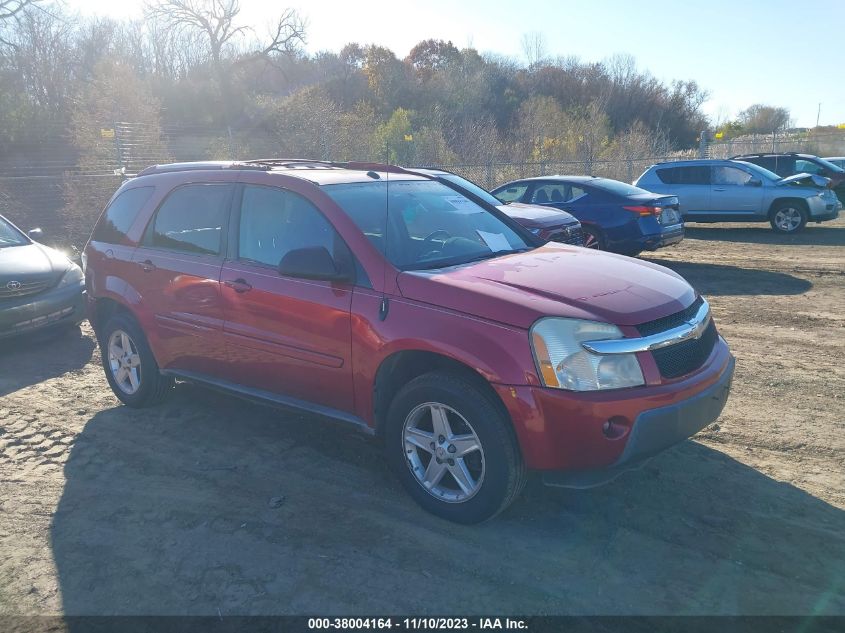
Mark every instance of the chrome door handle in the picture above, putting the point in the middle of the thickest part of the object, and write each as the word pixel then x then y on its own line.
pixel 718 188
pixel 147 266
pixel 238 285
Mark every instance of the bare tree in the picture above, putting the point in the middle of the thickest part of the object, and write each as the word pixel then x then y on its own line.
pixel 215 22
pixel 12 11
pixel 534 48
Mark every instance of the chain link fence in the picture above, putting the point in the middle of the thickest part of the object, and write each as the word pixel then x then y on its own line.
pixel 62 189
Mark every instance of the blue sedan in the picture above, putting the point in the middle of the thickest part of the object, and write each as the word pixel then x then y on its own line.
pixel 615 216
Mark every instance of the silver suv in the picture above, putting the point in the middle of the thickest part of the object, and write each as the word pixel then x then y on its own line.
pixel 736 191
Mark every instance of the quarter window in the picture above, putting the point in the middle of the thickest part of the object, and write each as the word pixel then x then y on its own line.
pixel 689 175
pixel 274 221
pixel 121 214
pixel 191 219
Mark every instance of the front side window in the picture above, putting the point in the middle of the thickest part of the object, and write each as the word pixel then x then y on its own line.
pixel 730 176
pixel 274 221
pixel 191 220
pixel 121 214
pixel 424 224
pixel 511 193
pixel 10 236
pixel 472 188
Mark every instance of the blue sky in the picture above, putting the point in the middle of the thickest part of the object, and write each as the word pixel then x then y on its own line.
pixel 779 52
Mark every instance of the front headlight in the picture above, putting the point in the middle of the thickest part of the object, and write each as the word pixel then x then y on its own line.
pixel 565 364
pixel 73 276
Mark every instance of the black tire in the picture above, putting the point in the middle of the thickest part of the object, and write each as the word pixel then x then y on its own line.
pixel 593 238
pixel 503 471
pixel 788 217
pixel 152 387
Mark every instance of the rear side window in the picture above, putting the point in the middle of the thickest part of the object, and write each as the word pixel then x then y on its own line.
pixel 274 222
pixel 191 220
pixel 121 214
pixel 690 175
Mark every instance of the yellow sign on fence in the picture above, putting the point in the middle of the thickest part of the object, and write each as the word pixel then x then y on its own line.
pixel 720 135
pixel 409 137
pixel 106 132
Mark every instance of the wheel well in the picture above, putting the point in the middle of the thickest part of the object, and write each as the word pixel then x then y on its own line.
pixel 781 201
pixel 104 310
pixel 400 368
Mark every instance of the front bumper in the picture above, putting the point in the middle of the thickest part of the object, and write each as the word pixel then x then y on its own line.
pixel 655 431
pixel 55 307
pixel 566 431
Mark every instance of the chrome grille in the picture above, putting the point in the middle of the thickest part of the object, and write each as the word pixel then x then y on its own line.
pixel 11 290
pixel 685 357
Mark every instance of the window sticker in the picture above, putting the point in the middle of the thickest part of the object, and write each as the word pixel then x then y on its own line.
pixel 495 241
pixel 463 205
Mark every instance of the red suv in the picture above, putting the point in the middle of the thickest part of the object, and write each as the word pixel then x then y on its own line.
pixel 391 301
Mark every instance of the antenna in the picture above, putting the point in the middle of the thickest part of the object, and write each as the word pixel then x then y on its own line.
pixel 385 306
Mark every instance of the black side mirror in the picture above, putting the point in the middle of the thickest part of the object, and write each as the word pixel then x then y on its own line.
pixel 755 182
pixel 314 262
pixel 35 234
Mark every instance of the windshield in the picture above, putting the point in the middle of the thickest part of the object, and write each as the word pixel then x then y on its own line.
pixel 614 186
pixel 10 236
pixel 472 188
pixel 430 226
pixel 760 171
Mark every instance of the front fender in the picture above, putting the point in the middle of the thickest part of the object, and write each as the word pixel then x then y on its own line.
pixel 500 353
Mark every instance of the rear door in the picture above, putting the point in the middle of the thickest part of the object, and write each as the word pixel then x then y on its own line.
pixel 732 192
pixel 691 184
pixel 176 270
pixel 285 335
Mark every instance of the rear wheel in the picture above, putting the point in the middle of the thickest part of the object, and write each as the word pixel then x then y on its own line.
pixel 593 238
pixel 788 217
pixel 130 367
pixel 453 448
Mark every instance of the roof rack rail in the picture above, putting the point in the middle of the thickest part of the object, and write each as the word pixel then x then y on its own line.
pixel 755 154
pixel 167 168
pixel 280 162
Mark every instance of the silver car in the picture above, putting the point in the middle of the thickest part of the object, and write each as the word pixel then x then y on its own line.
pixel 736 191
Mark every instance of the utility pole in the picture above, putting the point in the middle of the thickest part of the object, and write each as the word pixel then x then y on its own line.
pixel 818 114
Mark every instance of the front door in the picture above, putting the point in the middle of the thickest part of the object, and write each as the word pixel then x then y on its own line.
pixel 287 335
pixel 732 192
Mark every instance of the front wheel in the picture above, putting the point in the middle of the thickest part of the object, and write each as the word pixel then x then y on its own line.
pixel 788 217
pixel 453 448
pixel 593 238
pixel 130 366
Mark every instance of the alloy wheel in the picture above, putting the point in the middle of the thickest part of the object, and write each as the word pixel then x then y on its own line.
pixel 124 362
pixel 443 452
pixel 788 219
pixel 591 241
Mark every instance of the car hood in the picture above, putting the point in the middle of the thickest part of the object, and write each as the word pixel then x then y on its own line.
pixel 553 280
pixel 31 262
pixel 806 180
pixel 534 215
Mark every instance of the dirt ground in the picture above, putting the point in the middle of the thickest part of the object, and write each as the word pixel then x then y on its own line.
pixel 208 505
